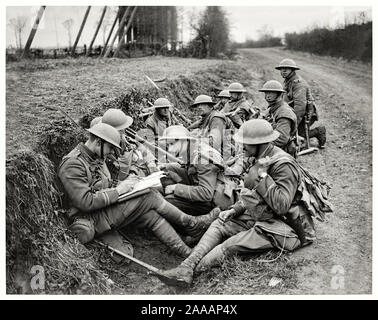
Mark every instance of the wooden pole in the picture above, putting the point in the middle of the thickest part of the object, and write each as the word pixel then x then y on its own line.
pixel 121 24
pixel 81 30
pixel 33 31
pixel 125 31
pixel 110 34
pixel 96 32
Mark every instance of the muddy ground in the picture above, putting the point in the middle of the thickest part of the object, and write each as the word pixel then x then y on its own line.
pixel 343 93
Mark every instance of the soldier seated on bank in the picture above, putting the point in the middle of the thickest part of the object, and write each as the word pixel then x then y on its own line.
pixel 281 116
pixel 199 184
pixel 224 97
pixel 238 109
pixel 298 96
pixel 132 158
pixel 271 213
pixel 93 198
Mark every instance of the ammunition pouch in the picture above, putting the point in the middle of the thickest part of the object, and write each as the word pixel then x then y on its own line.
pixel 225 192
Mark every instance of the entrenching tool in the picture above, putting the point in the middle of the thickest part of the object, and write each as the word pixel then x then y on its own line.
pixel 135 260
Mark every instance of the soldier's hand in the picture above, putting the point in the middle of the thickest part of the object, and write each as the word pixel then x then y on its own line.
pixel 170 189
pixel 226 215
pixel 127 185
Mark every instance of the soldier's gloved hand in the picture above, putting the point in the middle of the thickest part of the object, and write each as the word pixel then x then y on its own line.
pixel 170 189
pixel 226 215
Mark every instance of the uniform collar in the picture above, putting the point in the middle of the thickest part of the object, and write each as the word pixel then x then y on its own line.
pixel 88 154
pixel 292 77
pixel 275 105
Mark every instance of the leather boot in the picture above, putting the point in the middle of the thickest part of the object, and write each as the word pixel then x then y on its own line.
pixel 214 258
pixel 183 274
pixel 195 226
pixel 320 134
pixel 166 234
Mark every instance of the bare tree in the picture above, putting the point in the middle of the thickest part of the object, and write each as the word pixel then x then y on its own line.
pixel 68 25
pixel 18 24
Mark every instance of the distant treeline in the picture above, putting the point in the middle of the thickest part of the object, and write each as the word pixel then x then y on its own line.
pixel 353 42
pixel 267 41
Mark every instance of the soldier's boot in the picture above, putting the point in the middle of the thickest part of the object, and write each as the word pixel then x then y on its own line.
pixel 320 134
pixel 195 226
pixel 114 239
pixel 166 234
pixel 214 258
pixel 183 274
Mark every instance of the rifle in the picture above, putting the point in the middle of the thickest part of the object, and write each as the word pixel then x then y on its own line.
pixel 129 131
pixel 183 118
pixel 308 149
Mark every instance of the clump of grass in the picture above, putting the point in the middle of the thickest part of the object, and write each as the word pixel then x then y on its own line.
pixel 36 233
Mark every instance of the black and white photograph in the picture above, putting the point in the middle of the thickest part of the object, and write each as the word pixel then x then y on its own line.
pixel 188 149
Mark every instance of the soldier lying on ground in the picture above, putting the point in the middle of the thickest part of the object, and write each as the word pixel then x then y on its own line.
pixel 298 96
pixel 281 117
pixel 199 185
pixel 95 211
pixel 132 159
pixel 269 214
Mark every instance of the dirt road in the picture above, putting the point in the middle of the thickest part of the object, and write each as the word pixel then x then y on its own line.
pixel 340 262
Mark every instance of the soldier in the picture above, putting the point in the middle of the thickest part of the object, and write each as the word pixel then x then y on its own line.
pixel 268 215
pixel 238 108
pixel 224 97
pixel 212 125
pixel 199 185
pixel 298 96
pixel 161 118
pixel 95 210
pixel 281 116
pixel 131 160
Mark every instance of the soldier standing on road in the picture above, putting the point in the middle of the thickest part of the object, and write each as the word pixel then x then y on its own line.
pixel 281 116
pixel 95 211
pixel 238 108
pixel 298 96
pixel 268 215
pixel 198 185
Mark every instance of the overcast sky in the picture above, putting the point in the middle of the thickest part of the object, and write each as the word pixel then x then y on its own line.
pixel 245 21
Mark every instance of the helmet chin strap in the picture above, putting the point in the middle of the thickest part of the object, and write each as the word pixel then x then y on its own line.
pixel 102 149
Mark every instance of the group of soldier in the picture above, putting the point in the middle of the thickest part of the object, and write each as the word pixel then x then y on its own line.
pixel 235 188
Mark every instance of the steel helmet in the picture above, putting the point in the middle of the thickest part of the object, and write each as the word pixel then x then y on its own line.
pixel 236 87
pixel 256 131
pixel 162 103
pixel 176 133
pixel 117 119
pixel 107 133
pixel 224 94
pixel 95 121
pixel 272 86
pixel 287 63
pixel 202 99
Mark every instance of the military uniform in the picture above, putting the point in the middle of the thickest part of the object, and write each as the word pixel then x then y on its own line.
pixel 297 95
pixel 283 120
pixel 201 184
pixel 95 210
pixel 244 111
pixel 158 124
pixel 213 127
pixel 262 220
